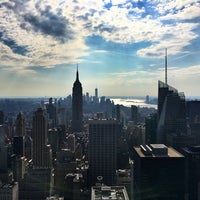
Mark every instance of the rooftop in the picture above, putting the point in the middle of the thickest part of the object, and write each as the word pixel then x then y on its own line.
pixel 157 150
pixel 109 192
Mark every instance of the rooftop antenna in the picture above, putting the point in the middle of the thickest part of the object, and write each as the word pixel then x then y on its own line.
pixel 77 76
pixel 165 65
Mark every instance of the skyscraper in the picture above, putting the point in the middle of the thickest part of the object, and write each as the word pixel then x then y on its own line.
pixel 41 150
pixel 96 93
pixel 118 112
pixel 38 181
pixel 52 111
pixel 1 117
pixel 103 150
pixel 77 105
pixel 193 116
pixel 164 90
pixel 171 113
pixel 18 139
pixel 134 114
pixel 20 125
pixel 158 173
pixel 192 155
pixel 96 98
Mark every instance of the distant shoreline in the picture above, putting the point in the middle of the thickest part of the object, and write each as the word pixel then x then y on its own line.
pixel 189 98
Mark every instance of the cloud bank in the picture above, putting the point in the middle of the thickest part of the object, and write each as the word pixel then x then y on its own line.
pixel 49 33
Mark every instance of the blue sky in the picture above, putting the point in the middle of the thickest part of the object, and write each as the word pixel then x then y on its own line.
pixel 119 46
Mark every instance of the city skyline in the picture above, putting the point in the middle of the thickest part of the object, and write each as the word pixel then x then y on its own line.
pixel 119 46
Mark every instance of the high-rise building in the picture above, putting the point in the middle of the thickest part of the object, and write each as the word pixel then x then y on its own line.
pixel 118 112
pixel 77 105
pixel 6 175
pixel 38 182
pixel 150 128
pixel 3 157
pixel 9 191
pixel 193 116
pixel 134 114
pixel 20 125
pixel 52 111
pixel 163 90
pixel 192 155
pixel 171 113
pixel 19 146
pixel 96 98
pixel 158 173
pixel 103 150
pixel 71 142
pixel 193 111
pixel 65 163
pixel 1 117
pixel 41 150
pixel 19 137
pixel 96 93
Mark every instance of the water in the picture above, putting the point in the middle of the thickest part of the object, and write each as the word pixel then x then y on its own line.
pixel 129 101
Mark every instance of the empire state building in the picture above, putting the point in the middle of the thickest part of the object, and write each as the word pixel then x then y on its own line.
pixel 77 105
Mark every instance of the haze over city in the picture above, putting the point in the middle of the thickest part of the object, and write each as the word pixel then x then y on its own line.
pixel 119 46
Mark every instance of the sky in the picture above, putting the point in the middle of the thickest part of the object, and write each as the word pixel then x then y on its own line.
pixel 118 45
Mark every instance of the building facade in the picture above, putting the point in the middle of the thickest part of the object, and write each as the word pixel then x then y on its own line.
pixel 38 181
pixel 20 125
pixel 171 113
pixel 103 150
pixel 158 173
pixel 42 154
pixel 9 191
pixel 192 155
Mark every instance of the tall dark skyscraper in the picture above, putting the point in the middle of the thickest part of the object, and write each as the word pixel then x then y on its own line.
pixel 171 113
pixel 38 181
pixel 41 150
pixel 103 150
pixel 20 125
pixel 18 139
pixel 134 114
pixel 77 105
pixel 51 110
pixel 158 173
pixel 192 155
pixel 96 93
pixel 193 116
pixel 1 117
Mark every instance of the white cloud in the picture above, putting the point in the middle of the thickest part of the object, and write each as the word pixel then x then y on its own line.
pixel 165 6
pixel 100 51
pixel 187 13
pixel 85 18
pixel 173 38
pixel 117 2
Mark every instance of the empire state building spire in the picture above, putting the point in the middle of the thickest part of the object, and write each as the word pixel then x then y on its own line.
pixel 77 75
pixel 77 105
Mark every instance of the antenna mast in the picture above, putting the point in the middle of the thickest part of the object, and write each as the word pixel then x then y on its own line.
pixel 165 65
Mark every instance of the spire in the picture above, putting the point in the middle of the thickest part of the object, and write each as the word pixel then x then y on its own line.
pixel 165 65
pixel 77 76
